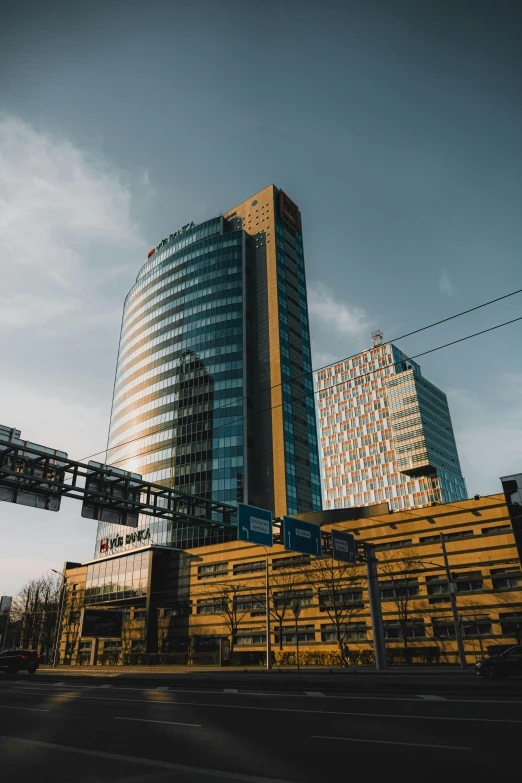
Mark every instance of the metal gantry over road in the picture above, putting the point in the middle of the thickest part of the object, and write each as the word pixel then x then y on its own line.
pixel 40 477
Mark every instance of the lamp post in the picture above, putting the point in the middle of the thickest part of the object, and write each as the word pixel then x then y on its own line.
pixel 58 634
pixel 453 602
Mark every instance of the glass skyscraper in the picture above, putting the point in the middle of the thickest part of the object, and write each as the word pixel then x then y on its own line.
pixel 385 433
pixel 213 392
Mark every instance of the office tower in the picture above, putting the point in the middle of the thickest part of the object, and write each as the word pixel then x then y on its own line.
pixel 385 433
pixel 213 392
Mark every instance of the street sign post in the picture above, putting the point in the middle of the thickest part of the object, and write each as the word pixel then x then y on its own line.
pixel 302 536
pixel 254 525
pixel 344 547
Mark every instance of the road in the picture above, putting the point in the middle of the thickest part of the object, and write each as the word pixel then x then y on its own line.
pixel 100 729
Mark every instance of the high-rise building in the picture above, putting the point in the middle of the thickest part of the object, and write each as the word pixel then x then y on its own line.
pixel 213 392
pixel 385 433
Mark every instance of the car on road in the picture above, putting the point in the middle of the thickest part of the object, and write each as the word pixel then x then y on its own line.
pixel 13 661
pixel 508 662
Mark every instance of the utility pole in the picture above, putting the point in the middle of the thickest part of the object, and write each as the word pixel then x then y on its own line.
pixel 296 609
pixel 375 606
pixel 453 601
pixel 267 599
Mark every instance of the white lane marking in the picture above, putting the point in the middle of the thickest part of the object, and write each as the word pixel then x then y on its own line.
pixel 389 742
pixel 334 697
pixel 31 709
pixel 431 697
pixel 304 712
pixel 162 688
pixel 106 686
pixel 212 773
pixel 229 690
pixel 169 722
pixel 313 693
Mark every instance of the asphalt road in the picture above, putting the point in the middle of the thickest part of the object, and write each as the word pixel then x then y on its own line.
pixel 98 729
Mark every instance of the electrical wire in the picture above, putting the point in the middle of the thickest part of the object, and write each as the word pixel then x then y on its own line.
pixel 279 405
pixel 318 369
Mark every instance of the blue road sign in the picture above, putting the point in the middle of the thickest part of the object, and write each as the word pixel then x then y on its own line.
pixel 254 525
pixel 302 536
pixel 344 546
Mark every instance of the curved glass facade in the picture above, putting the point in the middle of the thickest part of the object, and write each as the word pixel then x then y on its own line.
pixel 177 415
pixel 213 393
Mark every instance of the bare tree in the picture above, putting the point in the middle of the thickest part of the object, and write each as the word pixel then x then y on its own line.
pixel 35 611
pixel 339 586
pixel 282 591
pixel 400 586
pixel 227 602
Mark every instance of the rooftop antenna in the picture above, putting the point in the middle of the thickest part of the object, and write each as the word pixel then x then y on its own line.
pixel 377 338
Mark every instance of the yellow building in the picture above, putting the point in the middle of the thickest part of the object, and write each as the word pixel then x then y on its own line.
pixel 201 595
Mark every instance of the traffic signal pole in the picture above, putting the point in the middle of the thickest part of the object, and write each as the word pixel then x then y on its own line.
pixel 375 606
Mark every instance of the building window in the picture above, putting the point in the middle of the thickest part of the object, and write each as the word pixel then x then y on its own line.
pixel 140 614
pixel 489 531
pixel 393 544
pixel 306 633
pixel 458 534
pixel 251 603
pixel 282 598
pixel 505 578
pixel 341 598
pixel 249 568
pixel 351 632
pixel 469 582
pixel 443 629
pixel 394 631
pixel 476 626
pixel 137 645
pixel 212 570
pixel 295 561
pixel 210 606
pixel 437 588
pixel 399 588
pixel 511 624
pixel 250 636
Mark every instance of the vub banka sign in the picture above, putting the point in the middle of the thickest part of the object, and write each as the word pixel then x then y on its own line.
pixel 139 536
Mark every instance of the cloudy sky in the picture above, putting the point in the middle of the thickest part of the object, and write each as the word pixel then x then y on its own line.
pixel 394 124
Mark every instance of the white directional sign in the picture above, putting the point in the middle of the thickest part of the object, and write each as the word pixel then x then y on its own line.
pixel 300 536
pixel 254 525
pixel 344 546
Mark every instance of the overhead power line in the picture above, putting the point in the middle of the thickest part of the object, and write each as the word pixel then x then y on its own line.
pixel 394 340
pixel 279 405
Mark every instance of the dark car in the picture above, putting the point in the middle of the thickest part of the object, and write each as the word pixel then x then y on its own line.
pixel 508 662
pixel 13 661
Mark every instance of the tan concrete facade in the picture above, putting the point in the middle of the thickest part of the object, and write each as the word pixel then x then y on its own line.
pixel 484 564
pixel 259 220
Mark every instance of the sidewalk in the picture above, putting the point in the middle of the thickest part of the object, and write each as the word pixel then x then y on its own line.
pixel 219 671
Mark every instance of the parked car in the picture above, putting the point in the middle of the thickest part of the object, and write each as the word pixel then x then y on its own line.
pixel 13 661
pixel 508 662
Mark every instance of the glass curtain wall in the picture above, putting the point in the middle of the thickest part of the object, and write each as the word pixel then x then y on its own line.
pixel 177 415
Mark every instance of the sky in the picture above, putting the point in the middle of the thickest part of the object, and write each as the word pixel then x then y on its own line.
pixel 395 125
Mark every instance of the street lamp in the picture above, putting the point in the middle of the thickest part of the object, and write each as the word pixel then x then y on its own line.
pixel 453 602
pixel 58 634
